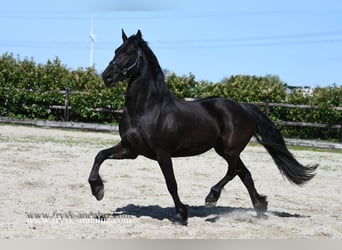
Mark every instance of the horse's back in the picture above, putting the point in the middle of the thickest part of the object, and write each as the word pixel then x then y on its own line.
pixel 226 108
pixel 236 123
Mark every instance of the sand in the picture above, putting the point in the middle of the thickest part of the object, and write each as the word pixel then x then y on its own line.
pixel 45 193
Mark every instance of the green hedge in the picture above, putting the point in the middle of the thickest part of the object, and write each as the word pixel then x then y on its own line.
pixel 27 89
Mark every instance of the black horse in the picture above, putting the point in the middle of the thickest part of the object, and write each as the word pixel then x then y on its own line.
pixel 159 126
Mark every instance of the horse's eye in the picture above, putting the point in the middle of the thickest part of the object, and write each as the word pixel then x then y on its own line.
pixel 130 52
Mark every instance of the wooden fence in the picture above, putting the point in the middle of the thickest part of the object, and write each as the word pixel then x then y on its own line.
pixel 267 105
pixel 67 106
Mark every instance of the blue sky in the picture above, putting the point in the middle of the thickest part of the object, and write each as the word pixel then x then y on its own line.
pixel 298 40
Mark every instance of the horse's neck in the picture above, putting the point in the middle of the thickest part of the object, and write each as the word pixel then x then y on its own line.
pixel 144 93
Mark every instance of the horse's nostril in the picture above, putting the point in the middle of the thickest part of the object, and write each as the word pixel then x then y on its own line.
pixel 107 78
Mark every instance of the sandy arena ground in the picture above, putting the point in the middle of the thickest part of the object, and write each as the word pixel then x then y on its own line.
pixel 45 193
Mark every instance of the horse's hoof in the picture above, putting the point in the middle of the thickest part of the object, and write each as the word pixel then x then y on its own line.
pixel 100 194
pixel 179 220
pixel 261 204
pixel 261 215
pixel 212 198
pixel 210 203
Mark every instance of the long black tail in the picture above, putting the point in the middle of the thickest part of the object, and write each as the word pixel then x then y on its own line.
pixel 270 137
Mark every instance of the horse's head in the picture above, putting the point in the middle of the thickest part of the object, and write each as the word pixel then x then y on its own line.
pixel 125 63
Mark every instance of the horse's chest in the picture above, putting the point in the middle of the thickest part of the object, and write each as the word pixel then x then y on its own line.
pixel 133 136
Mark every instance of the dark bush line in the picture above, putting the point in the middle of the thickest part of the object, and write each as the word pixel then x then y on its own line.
pixel 28 89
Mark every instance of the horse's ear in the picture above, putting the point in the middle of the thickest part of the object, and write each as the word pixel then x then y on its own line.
pixel 139 35
pixel 124 37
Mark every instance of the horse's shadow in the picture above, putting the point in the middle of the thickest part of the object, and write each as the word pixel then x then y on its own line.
pixel 212 214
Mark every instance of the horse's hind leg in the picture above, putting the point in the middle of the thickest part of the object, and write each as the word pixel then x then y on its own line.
pixel 236 167
pixel 259 201
pixel 215 191
pixel 95 181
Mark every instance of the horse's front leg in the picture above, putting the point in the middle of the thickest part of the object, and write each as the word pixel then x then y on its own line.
pixel 116 152
pixel 165 164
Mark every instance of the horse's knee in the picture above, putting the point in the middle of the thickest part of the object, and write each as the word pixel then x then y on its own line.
pixel 100 157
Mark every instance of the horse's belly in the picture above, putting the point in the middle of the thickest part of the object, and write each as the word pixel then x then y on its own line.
pixel 191 151
pixel 196 139
pixel 188 146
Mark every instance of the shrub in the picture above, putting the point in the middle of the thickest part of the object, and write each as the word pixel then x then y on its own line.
pixel 28 89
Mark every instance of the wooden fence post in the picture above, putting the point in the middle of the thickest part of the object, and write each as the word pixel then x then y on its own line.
pixel 267 107
pixel 340 134
pixel 66 105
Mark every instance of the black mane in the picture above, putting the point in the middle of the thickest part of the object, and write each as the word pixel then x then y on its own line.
pixel 157 70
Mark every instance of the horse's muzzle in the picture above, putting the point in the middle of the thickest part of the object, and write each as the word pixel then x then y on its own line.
pixel 108 78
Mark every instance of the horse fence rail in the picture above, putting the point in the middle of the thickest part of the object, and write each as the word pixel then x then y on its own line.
pixel 67 107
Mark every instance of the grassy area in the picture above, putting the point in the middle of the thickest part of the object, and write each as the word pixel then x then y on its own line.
pixel 68 141
pixel 329 150
pixel 304 148
pixel 71 140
